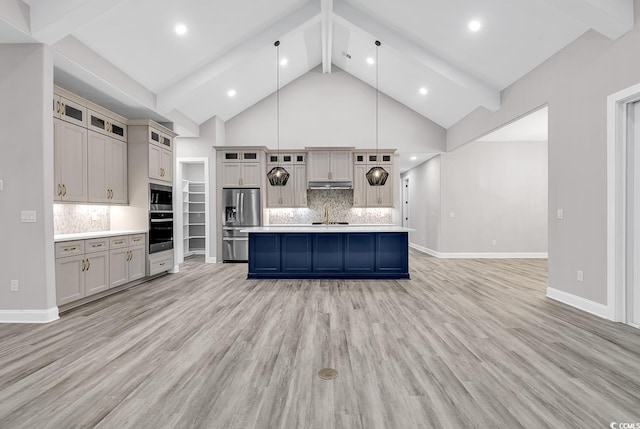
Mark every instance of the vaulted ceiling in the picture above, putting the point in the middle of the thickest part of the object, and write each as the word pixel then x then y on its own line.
pixel 126 55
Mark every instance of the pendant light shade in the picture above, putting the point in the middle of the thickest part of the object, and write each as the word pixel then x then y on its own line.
pixel 377 176
pixel 278 176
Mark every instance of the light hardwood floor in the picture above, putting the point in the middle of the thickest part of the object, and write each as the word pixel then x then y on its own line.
pixel 464 343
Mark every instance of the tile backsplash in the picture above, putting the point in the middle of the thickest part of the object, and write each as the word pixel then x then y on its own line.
pixel 75 218
pixel 340 205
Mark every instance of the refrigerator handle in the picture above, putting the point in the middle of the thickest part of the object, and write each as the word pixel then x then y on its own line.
pixel 242 208
pixel 238 209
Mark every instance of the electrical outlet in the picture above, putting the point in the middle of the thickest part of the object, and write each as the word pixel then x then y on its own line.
pixel 560 214
pixel 580 276
pixel 15 285
pixel 494 242
pixel 1 185
pixel 452 215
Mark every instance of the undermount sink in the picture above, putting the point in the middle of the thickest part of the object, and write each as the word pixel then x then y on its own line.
pixel 330 223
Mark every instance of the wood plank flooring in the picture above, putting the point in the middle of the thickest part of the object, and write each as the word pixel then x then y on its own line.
pixel 464 343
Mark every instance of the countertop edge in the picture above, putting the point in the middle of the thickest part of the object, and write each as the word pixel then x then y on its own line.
pixel 325 229
pixel 90 235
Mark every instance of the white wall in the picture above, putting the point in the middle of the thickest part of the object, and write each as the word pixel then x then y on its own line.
pixel 333 109
pixel 575 83
pixel 498 191
pixel 26 167
pixel 424 208
pixel 211 133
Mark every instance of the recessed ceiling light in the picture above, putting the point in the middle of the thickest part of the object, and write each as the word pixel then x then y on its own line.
pixel 370 61
pixel 474 25
pixel 181 29
pixel 283 62
pixel 231 93
pixel 413 158
pixel 423 91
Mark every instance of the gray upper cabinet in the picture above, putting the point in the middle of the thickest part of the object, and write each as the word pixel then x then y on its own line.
pixel 69 111
pixel 329 165
pixel 105 125
pixel 70 162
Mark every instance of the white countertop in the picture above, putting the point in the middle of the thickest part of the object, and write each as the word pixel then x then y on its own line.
pixel 90 235
pixel 327 228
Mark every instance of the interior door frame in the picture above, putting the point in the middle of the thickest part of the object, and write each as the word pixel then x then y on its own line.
pixel 619 136
pixel 405 203
pixel 179 234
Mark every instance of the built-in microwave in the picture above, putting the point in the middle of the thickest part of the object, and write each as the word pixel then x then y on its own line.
pixel 160 198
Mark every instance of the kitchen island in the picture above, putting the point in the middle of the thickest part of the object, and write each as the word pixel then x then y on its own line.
pixel 328 252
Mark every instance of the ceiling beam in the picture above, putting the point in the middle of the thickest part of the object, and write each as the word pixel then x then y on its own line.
pixel 485 94
pixel 327 34
pixel 611 18
pixel 52 21
pixel 299 20
pixel 77 59
pixel 183 125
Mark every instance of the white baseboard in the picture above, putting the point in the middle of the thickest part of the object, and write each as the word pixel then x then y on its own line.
pixel 578 302
pixel 480 255
pixel 210 260
pixel 424 250
pixel 29 316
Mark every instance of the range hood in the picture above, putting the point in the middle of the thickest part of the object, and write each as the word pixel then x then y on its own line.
pixel 330 185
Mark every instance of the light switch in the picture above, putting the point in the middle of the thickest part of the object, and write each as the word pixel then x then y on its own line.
pixel 28 216
pixel 452 214
pixel 560 214
pixel 1 185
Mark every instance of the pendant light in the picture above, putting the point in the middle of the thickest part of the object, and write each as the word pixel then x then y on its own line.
pixel 278 176
pixel 377 176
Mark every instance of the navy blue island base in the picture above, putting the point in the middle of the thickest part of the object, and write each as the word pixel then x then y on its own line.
pixel 328 255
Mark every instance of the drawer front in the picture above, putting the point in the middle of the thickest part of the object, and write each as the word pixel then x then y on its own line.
pixel 69 248
pixel 137 240
pixel 160 266
pixel 96 245
pixel 119 242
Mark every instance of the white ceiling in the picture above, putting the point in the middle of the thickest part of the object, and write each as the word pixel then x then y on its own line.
pixel 126 51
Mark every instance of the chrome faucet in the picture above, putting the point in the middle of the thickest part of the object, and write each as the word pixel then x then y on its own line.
pixel 326 215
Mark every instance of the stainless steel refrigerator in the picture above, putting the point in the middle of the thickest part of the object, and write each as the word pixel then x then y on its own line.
pixel 241 209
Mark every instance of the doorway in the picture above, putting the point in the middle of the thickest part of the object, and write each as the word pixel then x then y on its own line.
pixel 192 211
pixel 405 202
pixel 633 217
pixel 623 206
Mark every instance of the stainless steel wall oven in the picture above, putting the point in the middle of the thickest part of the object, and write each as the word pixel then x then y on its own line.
pixel 160 218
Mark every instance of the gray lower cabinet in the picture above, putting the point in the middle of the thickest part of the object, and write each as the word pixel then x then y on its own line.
pixel 127 259
pixel 82 274
pixel 87 267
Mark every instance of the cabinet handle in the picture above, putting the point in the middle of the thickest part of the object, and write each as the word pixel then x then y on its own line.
pixel 58 108
pixel 62 110
pixel 111 190
pixel 64 190
pixel 70 249
pixel 59 190
pixel 88 264
pixel 162 263
pixel 84 265
pixel 118 242
pixel 136 239
pixel 96 245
